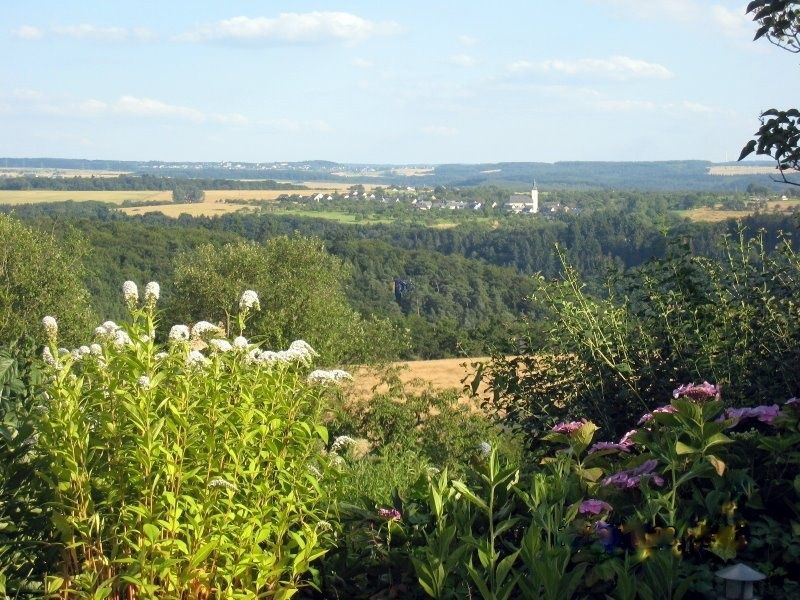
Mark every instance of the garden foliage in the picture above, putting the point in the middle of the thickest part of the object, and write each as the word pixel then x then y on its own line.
pixel 735 321
pixel 188 470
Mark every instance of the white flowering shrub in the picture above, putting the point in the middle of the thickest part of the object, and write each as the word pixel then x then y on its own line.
pixel 186 470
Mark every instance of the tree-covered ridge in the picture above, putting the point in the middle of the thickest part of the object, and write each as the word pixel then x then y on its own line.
pixel 142 182
pixel 608 175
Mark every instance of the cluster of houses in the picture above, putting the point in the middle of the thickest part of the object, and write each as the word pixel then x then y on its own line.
pixel 518 203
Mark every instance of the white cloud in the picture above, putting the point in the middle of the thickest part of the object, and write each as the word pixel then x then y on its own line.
pixel 467 40
pixel 24 101
pixel 28 32
pixel 462 60
pixel 362 63
pixel 86 31
pixel 148 107
pixel 700 13
pixel 734 23
pixel 439 130
pixel 619 68
pixel 294 28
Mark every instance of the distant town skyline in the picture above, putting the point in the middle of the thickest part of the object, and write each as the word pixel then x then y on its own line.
pixel 402 83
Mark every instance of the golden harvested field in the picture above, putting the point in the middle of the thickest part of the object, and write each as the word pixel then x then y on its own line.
pixel 39 196
pixel 730 170
pixel 222 195
pixel 442 374
pixel 196 209
pixel 413 171
pixel 709 215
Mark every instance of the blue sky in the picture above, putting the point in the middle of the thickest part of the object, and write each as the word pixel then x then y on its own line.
pixel 385 82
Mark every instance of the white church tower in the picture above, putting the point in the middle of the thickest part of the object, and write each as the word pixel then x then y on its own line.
pixel 534 198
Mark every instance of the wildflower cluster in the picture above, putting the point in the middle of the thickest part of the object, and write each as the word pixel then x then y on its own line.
pixel 320 376
pixel 299 352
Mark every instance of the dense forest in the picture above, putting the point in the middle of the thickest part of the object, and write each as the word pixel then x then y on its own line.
pixel 458 291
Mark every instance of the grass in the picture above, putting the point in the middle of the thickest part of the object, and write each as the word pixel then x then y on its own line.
pixel 339 217
pixel 115 197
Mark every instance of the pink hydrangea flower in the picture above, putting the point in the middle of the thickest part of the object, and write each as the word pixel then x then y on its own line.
pixel 669 409
pixel 626 439
pixel 570 427
pixel 765 414
pixel 609 446
pixel 633 477
pixel 701 391
pixel 594 506
pixel 390 514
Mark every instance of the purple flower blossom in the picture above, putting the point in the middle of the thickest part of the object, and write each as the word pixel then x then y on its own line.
pixel 390 514
pixel 606 534
pixel 793 402
pixel 569 428
pixel 701 391
pixel 633 477
pixel 765 414
pixel 594 506
pixel 609 446
pixel 626 439
pixel 669 409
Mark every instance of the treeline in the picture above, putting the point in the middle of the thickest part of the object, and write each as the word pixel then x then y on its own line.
pixel 137 183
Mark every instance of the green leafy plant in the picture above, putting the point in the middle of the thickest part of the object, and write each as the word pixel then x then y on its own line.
pixel 178 472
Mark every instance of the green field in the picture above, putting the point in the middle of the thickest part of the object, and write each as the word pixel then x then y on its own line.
pixel 339 217
pixel 115 197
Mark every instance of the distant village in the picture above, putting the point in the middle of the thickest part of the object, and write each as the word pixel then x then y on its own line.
pixel 425 199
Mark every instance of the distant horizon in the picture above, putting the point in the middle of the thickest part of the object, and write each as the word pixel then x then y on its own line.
pixel 748 161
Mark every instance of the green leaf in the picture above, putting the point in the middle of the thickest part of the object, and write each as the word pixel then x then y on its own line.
pixel 504 566
pixel 479 583
pixel 150 531
pixel 681 448
pixel 462 489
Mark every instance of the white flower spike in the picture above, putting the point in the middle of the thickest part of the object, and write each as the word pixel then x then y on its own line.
pixel 130 292
pixel 249 301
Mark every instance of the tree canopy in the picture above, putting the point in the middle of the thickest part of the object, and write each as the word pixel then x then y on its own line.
pixel 779 134
pixel 40 276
